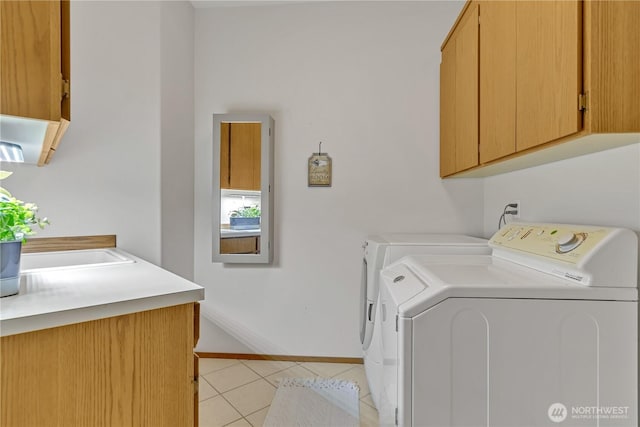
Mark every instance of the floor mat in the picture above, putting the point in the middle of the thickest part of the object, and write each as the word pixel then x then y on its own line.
pixel 306 402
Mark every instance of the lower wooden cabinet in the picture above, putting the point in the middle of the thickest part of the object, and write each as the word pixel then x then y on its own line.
pixel 240 245
pixel 196 365
pixel 132 370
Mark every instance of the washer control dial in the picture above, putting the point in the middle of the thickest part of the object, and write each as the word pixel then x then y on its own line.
pixel 566 239
pixel 569 241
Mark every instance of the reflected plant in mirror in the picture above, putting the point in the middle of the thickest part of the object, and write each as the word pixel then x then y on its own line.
pixel 245 218
pixel 242 188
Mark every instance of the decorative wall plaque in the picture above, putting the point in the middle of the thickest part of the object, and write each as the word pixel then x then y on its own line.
pixel 319 169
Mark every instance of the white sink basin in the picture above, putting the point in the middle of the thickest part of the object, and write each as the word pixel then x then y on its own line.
pixel 72 259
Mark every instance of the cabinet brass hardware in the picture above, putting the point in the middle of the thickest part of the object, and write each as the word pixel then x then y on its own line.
pixel 65 89
pixel 583 101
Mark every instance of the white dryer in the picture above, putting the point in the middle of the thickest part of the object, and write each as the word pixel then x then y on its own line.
pixel 379 252
pixel 543 332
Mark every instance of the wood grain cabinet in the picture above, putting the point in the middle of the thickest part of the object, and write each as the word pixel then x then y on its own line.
pixel 131 370
pixel 240 245
pixel 240 156
pixel 35 72
pixel 459 96
pixel 556 79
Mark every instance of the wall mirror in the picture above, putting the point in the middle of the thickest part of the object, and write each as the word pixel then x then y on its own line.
pixel 243 188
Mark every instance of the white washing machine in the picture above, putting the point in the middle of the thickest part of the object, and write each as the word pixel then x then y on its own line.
pixel 543 332
pixel 379 252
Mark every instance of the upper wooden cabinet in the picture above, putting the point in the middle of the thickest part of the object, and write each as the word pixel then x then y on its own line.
pixel 35 72
pixel 240 156
pixel 498 80
pixel 459 96
pixel 612 66
pixel 548 71
pixel 556 79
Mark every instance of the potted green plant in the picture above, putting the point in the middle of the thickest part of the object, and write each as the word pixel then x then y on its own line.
pixel 245 218
pixel 16 220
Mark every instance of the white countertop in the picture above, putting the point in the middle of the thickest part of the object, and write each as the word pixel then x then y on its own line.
pixel 226 233
pixel 62 296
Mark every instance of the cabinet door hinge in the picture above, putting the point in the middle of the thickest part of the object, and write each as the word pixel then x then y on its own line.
pixel 396 323
pixel 583 101
pixel 65 89
pixel 396 423
pixel 196 386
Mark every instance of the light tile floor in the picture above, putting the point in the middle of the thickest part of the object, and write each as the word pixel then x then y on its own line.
pixel 238 393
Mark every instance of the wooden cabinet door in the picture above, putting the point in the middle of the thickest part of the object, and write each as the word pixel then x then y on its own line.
pixel 196 364
pixel 131 370
pixel 196 391
pixel 459 97
pixel 244 155
pixel 497 79
pixel 447 110
pixel 224 155
pixel 548 69
pixel 467 91
pixel 612 66
pixel 34 54
pixel 240 150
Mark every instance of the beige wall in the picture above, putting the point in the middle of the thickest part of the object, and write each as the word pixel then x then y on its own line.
pixel 362 77
pixel 104 178
pixel 601 188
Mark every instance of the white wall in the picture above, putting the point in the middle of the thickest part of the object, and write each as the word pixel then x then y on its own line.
pixel 601 188
pixel 364 79
pixel 177 149
pixel 104 178
pixel 125 165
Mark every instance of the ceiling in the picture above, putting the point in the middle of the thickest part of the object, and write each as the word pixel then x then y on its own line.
pixel 201 4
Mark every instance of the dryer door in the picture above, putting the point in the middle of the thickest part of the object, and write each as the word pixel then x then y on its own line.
pixel 367 304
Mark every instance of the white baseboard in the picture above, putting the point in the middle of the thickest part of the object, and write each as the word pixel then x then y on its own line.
pixel 219 334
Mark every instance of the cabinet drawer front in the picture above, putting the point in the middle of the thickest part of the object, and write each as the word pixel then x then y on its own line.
pixel 239 245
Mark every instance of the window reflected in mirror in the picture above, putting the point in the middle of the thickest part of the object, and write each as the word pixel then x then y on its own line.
pixel 240 215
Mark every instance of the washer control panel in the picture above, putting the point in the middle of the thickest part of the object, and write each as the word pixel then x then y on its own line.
pixel 562 242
